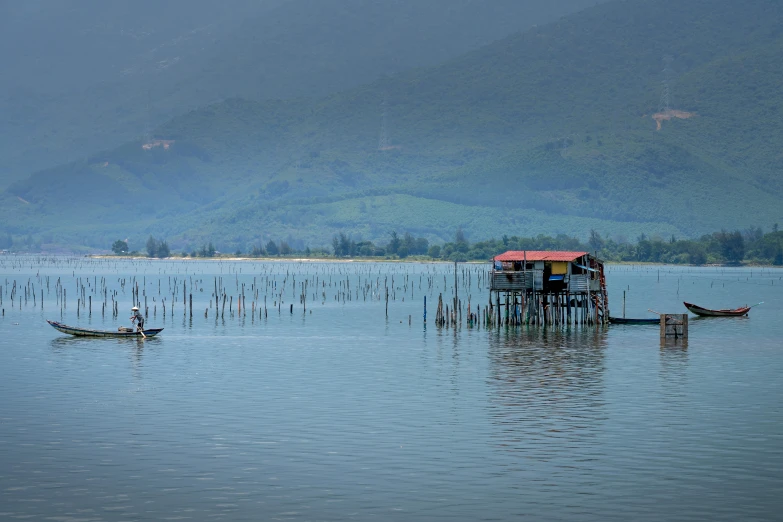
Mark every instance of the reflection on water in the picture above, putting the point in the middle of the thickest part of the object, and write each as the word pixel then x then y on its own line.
pixel 134 348
pixel 62 343
pixel 674 366
pixel 707 319
pixel 674 350
pixel 546 384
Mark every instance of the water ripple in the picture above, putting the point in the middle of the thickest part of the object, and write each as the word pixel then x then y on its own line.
pixel 341 414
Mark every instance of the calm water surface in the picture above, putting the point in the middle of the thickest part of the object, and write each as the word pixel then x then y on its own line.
pixel 338 413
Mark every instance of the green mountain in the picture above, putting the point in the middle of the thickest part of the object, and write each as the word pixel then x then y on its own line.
pixel 548 131
pixel 85 76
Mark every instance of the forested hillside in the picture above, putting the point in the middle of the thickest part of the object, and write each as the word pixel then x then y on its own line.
pixel 84 76
pixel 549 131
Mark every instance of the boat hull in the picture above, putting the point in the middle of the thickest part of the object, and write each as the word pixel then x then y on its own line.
pixel 86 332
pixel 623 320
pixel 706 312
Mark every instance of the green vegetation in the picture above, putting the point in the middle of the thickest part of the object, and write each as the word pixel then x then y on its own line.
pixel 206 251
pixel 6 241
pixel 157 248
pixel 119 247
pixel 546 132
pixel 402 247
pixel 751 246
pixel 99 88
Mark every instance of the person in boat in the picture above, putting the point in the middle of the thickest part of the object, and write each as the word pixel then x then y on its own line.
pixel 137 318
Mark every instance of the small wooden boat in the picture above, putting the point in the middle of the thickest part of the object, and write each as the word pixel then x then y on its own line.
pixel 706 312
pixel 85 332
pixel 623 320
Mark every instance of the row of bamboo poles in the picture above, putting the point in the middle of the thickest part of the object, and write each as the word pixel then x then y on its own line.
pixel 112 296
pixel 162 296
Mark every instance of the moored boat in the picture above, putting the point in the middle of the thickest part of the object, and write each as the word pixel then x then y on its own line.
pixel 706 312
pixel 623 320
pixel 86 332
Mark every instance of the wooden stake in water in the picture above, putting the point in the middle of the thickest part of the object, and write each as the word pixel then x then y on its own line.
pixel 455 287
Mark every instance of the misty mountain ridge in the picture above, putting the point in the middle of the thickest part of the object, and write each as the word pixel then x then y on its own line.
pixel 547 131
pixel 86 76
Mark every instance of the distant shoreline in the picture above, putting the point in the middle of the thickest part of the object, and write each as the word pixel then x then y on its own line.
pixel 385 260
pixel 361 260
pixel 283 259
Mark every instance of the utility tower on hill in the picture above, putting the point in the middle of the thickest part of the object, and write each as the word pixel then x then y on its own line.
pixel 665 111
pixel 383 141
pixel 664 105
pixel 148 124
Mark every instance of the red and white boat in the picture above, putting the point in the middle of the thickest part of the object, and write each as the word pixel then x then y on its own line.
pixel 706 312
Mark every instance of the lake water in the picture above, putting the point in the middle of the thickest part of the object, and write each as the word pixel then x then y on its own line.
pixel 337 412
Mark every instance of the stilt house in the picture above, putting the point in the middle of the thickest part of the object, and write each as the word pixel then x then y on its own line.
pixel 540 287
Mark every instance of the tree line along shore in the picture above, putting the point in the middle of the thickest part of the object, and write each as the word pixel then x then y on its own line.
pixel 751 246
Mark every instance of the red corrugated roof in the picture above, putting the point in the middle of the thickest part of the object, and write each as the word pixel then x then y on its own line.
pixel 538 255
